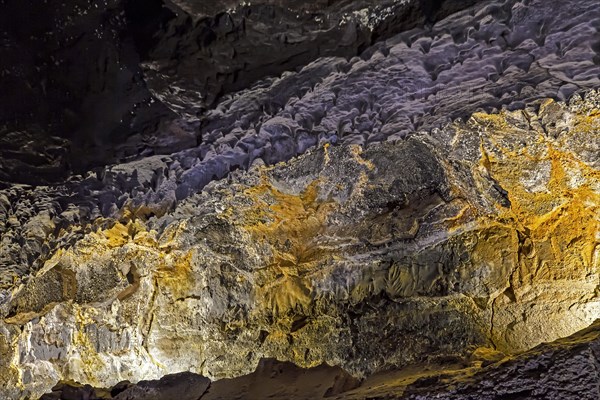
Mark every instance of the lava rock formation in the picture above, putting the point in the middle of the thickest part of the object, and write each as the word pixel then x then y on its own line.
pixel 385 187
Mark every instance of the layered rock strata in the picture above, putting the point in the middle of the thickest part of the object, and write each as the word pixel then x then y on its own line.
pixel 130 79
pixel 564 369
pixel 485 57
pixel 481 234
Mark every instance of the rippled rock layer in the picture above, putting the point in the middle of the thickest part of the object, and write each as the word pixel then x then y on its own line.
pixel 483 234
pixel 485 57
pixel 235 85
pixel 124 79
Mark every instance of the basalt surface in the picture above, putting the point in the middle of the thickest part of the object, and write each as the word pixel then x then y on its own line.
pixel 197 186
pixel 487 56
pixel 221 86
pixel 564 369
pixel 124 79
pixel 483 234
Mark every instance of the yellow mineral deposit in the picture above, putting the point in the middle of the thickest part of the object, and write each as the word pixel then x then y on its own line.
pixel 290 225
pixel 533 265
pixel 550 232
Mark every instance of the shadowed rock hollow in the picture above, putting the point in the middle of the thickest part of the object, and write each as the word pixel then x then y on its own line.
pixel 378 187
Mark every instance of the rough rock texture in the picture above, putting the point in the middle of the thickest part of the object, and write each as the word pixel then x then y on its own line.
pixel 411 228
pixel 272 379
pixel 124 79
pixel 182 386
pixel 564 369
pixel 487 56
pixel 128 79
pixel 484 233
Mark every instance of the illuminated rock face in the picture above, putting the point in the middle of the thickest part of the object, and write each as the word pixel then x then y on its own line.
pixel 484 57
pixel 481 234
pixel 395 238
pixel 564 369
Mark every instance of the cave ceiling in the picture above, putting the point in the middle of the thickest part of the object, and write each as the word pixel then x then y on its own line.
pixel 387 187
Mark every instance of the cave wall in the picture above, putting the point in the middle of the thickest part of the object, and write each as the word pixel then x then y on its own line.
pixel 123 79
pixel 482 234
pixel 197 186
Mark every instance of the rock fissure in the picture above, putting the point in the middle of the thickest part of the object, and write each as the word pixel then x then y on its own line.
pixel 492 333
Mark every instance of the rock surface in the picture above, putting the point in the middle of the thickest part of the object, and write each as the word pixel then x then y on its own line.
pixel 124 79
pixel 196 188
pixel 482 234
pixel 418 79
pixel 564 369
pixel 265 80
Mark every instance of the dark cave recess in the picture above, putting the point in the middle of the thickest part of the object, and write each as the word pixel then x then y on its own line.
pixel 90 83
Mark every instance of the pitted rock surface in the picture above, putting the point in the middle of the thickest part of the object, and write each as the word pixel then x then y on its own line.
pixel 564 369
pixel 481 234
pixel 197 186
